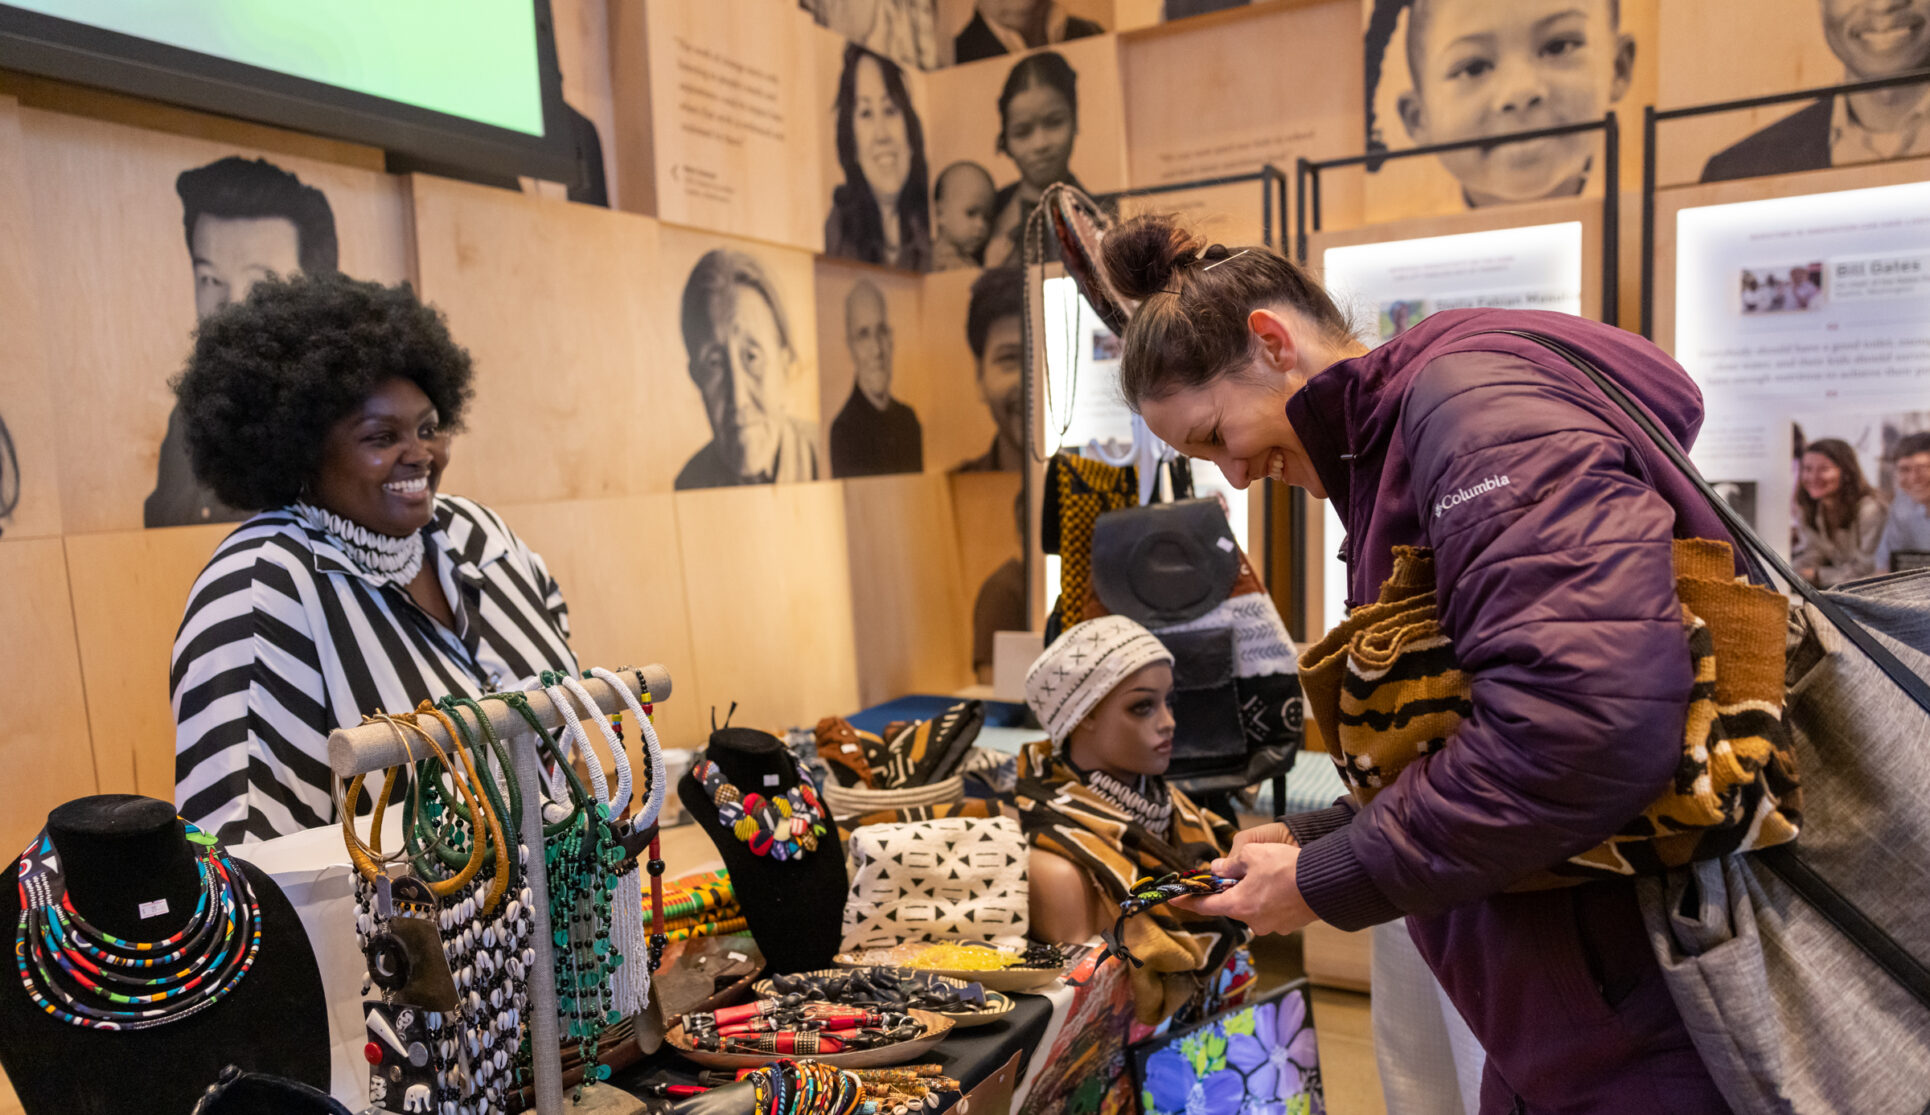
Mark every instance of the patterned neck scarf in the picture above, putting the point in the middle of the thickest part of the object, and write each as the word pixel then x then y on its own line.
pixel 384 559
pixel 1062 813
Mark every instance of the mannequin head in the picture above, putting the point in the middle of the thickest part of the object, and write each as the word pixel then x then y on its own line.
pixel 1104 690
pixel 1130 731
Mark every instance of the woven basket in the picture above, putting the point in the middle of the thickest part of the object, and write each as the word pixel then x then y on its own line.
pixel 856 801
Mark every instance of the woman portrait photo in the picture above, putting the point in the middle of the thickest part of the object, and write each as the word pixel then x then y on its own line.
pixel 1839 515
pixel 880 213
pixel 1038 122
pixel 1469 69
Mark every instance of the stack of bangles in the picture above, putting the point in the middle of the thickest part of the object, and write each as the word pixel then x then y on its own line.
pixel 806 1088
pixel 903 1090
pixel 776 1026
pixel 1149 892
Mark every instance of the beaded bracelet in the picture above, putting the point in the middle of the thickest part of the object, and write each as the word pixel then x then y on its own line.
pixel 1150 892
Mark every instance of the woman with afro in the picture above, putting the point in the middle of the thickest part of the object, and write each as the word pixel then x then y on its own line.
pixel 328 405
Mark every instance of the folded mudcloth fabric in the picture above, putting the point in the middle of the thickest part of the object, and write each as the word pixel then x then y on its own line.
pixel 1387 690
pixel 922 752
pixel 844 749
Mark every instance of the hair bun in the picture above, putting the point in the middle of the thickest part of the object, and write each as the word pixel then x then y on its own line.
pixel 1142 255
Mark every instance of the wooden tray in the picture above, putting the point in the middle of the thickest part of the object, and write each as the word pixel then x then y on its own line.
pixel 998 979
pixel 936 1027
pixel 997 1006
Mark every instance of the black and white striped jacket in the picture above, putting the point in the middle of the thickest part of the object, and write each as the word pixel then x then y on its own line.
pixel 285 640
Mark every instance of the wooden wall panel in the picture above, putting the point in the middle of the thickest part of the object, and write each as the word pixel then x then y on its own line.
pixel 965 123
pixel 622 570
pixel 130 588
pixel 1423 186
pixel 767 579
pixel 564 382
pixel 583 56
pixel 837 359
pixel 737 123
pixel 961 425
pixel 674 405
pixel 117 288
pixel 45 748
pixel 906 592
pixel 1182 86
pixel 29 437
pixel 985 507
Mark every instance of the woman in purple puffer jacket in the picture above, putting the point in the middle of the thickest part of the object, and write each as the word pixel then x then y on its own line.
pixel 1550 514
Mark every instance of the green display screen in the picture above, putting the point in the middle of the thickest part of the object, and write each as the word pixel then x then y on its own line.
pixel 474 59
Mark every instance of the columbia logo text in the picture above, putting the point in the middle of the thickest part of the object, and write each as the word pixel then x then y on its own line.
pixel 1460 496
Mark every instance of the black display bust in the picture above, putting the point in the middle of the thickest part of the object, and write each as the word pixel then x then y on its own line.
pixel 795 907
pixel 119 852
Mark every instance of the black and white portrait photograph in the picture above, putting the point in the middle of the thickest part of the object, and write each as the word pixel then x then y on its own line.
pixel 962 200
pixel 1867 41
pixel 880 210
pixel 744 361
pixel 244 220
pixel 1019 125
pixel 980 29
pixel 995 332
pixel 1443 71
pixel 869 370
pixel 905 31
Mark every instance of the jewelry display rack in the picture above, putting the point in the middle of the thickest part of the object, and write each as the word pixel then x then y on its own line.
pixel 373 747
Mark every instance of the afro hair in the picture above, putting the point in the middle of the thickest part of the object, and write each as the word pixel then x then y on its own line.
pixel 270 375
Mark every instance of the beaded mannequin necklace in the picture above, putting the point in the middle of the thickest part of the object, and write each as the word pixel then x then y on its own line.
pixel 90 978
pixel 782 827
pixel 389 560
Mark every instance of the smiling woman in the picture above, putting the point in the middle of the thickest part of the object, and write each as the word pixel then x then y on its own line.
pixel 330 404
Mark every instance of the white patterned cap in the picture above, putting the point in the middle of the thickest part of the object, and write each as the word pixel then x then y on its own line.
pixel 1082 665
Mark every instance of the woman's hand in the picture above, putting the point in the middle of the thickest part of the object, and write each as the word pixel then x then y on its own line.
pixel 1273 833
pixel 1267 897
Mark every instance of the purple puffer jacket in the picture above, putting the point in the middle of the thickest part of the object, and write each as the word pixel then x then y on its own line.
pixel 1550 514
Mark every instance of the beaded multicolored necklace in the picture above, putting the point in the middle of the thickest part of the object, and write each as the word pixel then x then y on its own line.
pixel 86 977
pixel 782 827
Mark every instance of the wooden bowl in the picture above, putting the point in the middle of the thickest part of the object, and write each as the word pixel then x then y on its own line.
pixel 997 1006
pixel 936 1027
pixel 997 979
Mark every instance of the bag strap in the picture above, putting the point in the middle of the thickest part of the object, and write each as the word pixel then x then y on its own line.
pixel 1786 861
pixel 1758 551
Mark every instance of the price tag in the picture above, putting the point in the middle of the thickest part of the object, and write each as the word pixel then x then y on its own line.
pixel 1225 544
pixel 772 779
pixel 155 908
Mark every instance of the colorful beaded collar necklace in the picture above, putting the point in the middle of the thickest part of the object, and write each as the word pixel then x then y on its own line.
pixel 85 977
pixel 781 827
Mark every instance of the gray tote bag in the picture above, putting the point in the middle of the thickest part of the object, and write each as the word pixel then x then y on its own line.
pixel 1803 972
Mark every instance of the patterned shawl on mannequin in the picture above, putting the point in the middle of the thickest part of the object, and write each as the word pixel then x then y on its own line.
pixel 1181 950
